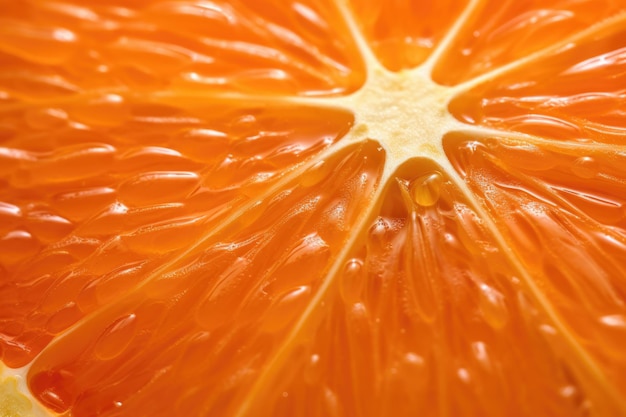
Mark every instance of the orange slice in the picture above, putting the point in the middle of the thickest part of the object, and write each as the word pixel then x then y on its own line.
pixel 312 208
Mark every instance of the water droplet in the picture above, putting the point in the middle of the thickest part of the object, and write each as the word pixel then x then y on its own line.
pixel 63 35
pixel 568 391
pixel 331 403
pixel 547 329
pixel 585 167
pixel 492 306
pixel 359 310
pixel 615 320
pixel 413 358
pixel 353 281
pixel 463 375
pixel 313 370
pixel 480 353
pixel 379 233
pixel 426 190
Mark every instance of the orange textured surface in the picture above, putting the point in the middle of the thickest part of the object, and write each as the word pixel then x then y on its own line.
pixel 186 228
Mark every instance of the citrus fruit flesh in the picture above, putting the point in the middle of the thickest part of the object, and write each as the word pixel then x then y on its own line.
pixel 313 208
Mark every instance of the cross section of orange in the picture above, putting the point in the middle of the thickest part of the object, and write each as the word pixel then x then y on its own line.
pixel 312 208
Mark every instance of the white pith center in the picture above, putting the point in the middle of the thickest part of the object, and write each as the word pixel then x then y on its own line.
pixel 406 112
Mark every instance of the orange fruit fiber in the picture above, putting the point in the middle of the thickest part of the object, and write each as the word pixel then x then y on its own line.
pixel 313 208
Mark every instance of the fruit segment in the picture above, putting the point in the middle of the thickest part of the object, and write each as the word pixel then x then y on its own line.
pixel 562 211
pixel 402 34
pixel 55 49
pixel 426 317
pixel 193 337
pixel 500 34
pixel 574 94
pixel 87 211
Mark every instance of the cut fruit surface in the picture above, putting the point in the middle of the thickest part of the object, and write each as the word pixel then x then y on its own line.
pixel 312 208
